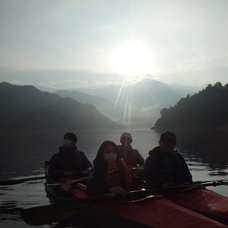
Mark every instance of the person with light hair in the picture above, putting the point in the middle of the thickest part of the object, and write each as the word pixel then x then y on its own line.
pixel 131 156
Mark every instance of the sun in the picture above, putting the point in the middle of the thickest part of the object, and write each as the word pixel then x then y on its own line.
pixel 131 59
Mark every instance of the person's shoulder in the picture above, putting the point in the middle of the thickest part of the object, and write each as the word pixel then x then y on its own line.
pixel 55 156
pixel 81 153
pixel 135 151
pixel 155 151
pixel 151 159
pixel 179 155
pixel 119 147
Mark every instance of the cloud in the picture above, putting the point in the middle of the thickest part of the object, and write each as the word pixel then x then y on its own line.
pixel 186 40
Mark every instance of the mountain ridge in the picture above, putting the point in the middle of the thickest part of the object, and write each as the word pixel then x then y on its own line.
pixel 141 101
pixel 26 107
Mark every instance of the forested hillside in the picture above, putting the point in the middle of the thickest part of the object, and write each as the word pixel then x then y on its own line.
pixel 206 109
pixel 25 107
pixel 137 105
pixel 105 106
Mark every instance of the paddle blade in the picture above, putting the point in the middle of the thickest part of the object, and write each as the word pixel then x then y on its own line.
pixel 61 209
pixel 49 214
pixel 18 181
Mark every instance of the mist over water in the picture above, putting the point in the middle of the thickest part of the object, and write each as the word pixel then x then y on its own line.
pixel 23 155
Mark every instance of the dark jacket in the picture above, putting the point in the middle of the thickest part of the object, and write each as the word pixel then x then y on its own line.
pixel 69 159
pixel 101 178
pixel 131 156
pixel 96 184
pixel 160 169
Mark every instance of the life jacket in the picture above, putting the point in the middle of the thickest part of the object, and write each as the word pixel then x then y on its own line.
pixel 118 174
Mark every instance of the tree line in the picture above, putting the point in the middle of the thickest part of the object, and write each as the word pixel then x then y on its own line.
pixel 27 108
pixel 206 109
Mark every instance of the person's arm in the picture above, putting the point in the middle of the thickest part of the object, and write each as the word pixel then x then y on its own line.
pixel 96 185
pixel 87 165
pixel 152 173
pixel 186 176
pixel 140 160
pixel 54 167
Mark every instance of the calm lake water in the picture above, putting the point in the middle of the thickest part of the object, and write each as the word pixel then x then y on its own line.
pixel 23 155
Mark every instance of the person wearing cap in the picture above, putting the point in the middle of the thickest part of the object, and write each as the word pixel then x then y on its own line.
pixel 69 161
pixel 165 166
pixel 131 156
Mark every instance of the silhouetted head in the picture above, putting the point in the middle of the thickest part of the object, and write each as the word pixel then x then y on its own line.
pixel 70 139
pixel 168 135
pixel 126 139
pixel 107 147
pixel 167 142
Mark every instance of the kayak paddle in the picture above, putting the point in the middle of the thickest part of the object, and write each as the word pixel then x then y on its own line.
pixel 60 209
pixel 64 208
pixel 184 186
pixel 18 181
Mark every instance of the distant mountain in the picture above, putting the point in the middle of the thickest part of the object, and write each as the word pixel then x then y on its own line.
pixel 150 92
pixel 25 107
pixel 106 107
pixel 137 105
pixel 112 92
pixel 185 89
pixel 206 109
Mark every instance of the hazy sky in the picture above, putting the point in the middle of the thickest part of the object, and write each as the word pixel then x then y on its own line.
pixel 76 43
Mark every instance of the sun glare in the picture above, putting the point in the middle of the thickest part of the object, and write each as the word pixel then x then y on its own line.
pixel 131 59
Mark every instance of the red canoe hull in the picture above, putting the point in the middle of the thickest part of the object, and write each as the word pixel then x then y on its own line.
pixel 202 200
pixel 148 212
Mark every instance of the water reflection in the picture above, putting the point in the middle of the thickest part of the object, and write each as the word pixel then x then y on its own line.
pixel 26 155
pixel 9 212
pixel 207 147
pixel 205 152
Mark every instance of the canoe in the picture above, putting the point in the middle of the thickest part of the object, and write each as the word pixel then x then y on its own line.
pixel 145 211
pixel 203 201
pixel 198 198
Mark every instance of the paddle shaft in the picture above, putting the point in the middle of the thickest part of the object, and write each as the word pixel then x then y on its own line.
pixel 64 208
pixel 196 184
pixel 177 187
pixel 61 209
pixel 18 181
